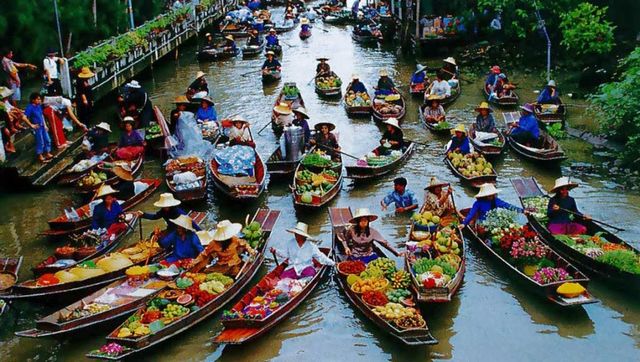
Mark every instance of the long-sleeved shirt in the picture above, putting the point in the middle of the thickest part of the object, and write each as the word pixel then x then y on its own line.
pixel 272 39
pixel 301 257
pixel 189 247
pixel 167 215
pixel 406 199
pixel 130 139
pixel 385 83
pixel 561 216
pixel 395 136
pixel 460 143
pixel 323 68
pixel 361 245
pixel 440 88
pixel 418 77
pixel 485 124
pixel 527 123
pixel 432 203
pixel 271 64
pixel 209 114
pixel 358 86
pixel 329 142
pixel 481 207
pixel 103 218
pixel 545 96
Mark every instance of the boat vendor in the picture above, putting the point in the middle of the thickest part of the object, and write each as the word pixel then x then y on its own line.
pixel 199 87
pixel 271 63
pixel 404 199
pixel 272 38
pixel 284 115
pixel 549 94
pixel 131 144
pixel 450 69
pixel 526 131
pixel 435 112
pixel 459 141
pixel 136 101
pixel 420 77
pixel 484 120
pixel 323 68
pixel 254 38
pixel 300 120
pixel 239 133
pixel 492 79
pixel 108 211
pixel 183 241
pixel 392 138
pixel 356 85
pixel 227 247
pixel 207 111
pixel 359 237
pixel 326 140
pixel 169 209
pixel 209 42
pixel 300 256
pixel 385 84
pixel 97 140
pixel 440 87
pixel 181 103
pixel 230 44
pixel 437 200
pixel 562 208
pixel 304 25
pixel 486 200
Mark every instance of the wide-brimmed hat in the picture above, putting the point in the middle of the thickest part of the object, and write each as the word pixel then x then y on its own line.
pixel 459 128
pixel 552 83
pixel 302 111
pixel 383 73
pixel 282 108
pixel 272 30
pixel 434 97
pixel 128 119
pixel 183 221
pixel 434 182
pixel 318 126
pixel 207 35
pixel 322 59
pixel 200 74
pixel 133 84
pixel 6 92
pixel 301 229
pixel 487 190
pixel 563 182
pixel 205 237
pixel 105 190
pixel 181 100
pixel 304 21
pixel 85 73
pixel 105 126
pixel 392 122
pixel 238 118
pixel 450 60
pixel 527 107
pixel 225 230
pixel 51 51
pixel 123 173
pixel 363 212
pixel 207 99
pixel 229 37
pixel 355 76
pixel 495 69
pixel 420 68
pixel 484 105
pixel 167 200
pixel 270 52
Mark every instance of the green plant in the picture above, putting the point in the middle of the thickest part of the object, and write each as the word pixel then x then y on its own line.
pixel 555 130
pixel 586 31
pixel 625 260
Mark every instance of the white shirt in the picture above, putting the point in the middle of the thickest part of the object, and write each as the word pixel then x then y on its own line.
pixel 300 258
pixel 51 66
pixel 284 119
pixel 243 133
pixel 440 88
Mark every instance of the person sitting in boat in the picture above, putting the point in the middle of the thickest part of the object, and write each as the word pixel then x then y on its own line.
pixel 437 200
pixel 492 79
pixel 284 115
pixel 392 139
pixel 550 94
pixel 258 24
pixel 304 25
pixel 359 237
pixel 440 87
pixel 230 44
pixel 209 42
pixel 404 199
pixel 239 134
pixel 301 255
pixel 562 208
pixel 323 68
pixel 199 87
pixel 385 84
pixel 435 112
pixel 356 85
pixel 311 14
pixel 137 102
pixel 459 142
pixel 183 241
pixel 502 87
pixel 97 140
pixel 325 140
pixel 126 188
pixel 419 79
pixel 254 38
pixel 254 5
pixel 108 211
pixel 300 120
pixel 227 247
pixel 271 64
pixel 181 103
pixel 168 209
pixel 526 131
pixel 131 144
pixel 207 111
pixel 486 200
pixel 450 69
pixel 272 38
pixel 484 120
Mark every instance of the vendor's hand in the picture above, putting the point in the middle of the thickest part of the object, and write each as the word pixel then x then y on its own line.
pixel 555 207
pixel 35 126
pixel 347 251
pixel 384 207
pixel 461 226
pixel 399 209
pixel 139 213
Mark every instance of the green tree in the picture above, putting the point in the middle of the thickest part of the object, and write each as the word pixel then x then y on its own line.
pixel 585 30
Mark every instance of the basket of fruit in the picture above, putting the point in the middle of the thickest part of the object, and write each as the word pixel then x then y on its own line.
pixel 414 321
pixel 369 285
pixel 65 252
pixel 374 299
pixel 348 267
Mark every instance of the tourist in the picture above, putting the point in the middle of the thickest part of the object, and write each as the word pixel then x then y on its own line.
pixel 484 120
pixel 403 199
pixel 486 200
pixel 459 141
pixel 52 75
pixel 183 241
pixel 131 144
pixel 108 211
pixel 526 131
pixel 84 94
pixel 436 200
pixel 359 238
pixel 35 115
pixel 12 68
pixel 562 210
pixel 301 254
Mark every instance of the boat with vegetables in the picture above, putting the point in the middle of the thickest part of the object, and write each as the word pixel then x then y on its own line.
pixel 378 290
pixel 103 175
pixel 550 113
pixel 82 167
pixel 357 104
pixel 472 168
pixel 202 293
pixel 328 85
pixel 372 166
pixel 490 145
pixel 389 106
pixel 435 256
pixel 317 181
pixel 186 178
pixel 441 128
pixel 266 304
pixel 599 252
pixel 290 94
pixel 79 219
pixel 528 260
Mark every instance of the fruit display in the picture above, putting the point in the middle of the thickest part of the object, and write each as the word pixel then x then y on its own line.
pixel 393 311
pixel 387 266
pixel 400 279
pixel 369 285
pixel 317 159
pixel 425 220
pixel 471 165
pixel 537 206
pixel 92 179
pixel 570 290
pixel 398 295
pixel 180 166
pixel 173 310
pixel 309 184
pixel 81 312
pixel 290 91
pixel 357 99
pixel 351 267
pixel 253 233
pixel 411 322
pixel 375 298
pixel 372 272
pixel 387 108
pixel 329 82
pixel 184 283
pixel 212 287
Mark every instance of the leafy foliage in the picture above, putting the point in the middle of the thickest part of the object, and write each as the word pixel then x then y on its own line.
pixel 585 30
pixel 555 130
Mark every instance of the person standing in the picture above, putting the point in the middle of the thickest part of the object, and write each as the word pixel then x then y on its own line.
pixel 404 200
pixel 51 73
pixel 84 94
pixel 300 120
pixel 41 132
pixel 11 68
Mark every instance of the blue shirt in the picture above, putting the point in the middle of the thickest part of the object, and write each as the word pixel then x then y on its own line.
pixel 546 98
pixel 35 115
pixel 491 80
pixel 273 64
pixel 103 218
pixel 207 114
pixel 272 39
pixel 418 77
pixel 186 248
pixel 462 144
pixel 527 123
pixel 481 207
pixel 133 139
pixel 404 200
pixel 358 86
pixel 485 124
pixel 304 27
pixel 561 216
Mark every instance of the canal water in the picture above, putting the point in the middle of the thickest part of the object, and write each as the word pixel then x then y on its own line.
pixel 491 317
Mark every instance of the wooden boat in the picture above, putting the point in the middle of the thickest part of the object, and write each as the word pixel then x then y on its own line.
pixel 278 167
pixel 253 50
pixel 193 164
pixel 505 102
pixel 353 110
pixel 62 225
pixel 488 150
pixel 473 181
pixel 440 129
pixel 328 92
pixel 367 37
pixel 276 49
pixel 435 294
pixel 293 102
pixel 550 153
pixel 112 179
pixel 526 188
pixel 379 116
pixel 9 268
pixel 546 290
pixel 217 53
pixel 304 35
pixel 337 16
pixel 241 330
pixel 284 26
pixel 70 177
pixel 235 30
pixel 317 202
pixel 366 172
pixel 550 116
pixel 417 89
pixel 340 218
pixel 267 218
pixel 271 76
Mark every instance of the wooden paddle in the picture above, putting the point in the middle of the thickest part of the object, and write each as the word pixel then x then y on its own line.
pixel 264 127
pixel 346 154
pixel 251 72
pixel 594 220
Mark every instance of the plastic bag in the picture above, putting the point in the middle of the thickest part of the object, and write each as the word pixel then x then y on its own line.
pixel 189 139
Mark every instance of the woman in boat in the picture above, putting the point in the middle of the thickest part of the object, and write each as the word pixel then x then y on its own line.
pixel 526 131
pixel 227 247
pixel 484 120
pixel 323 69
pixel 326 140
pixel 359 237
pixel 271 64
pixel 181 103
pixel 439 87
pixel 419 79
pixel 239 134
pixel 126 187
pixel 207 111
pixel 209 42
pixel 385 84
pixel 230 45
pixel 450 69
pixel 108 211
pixel 492 79
pixel 284 115
pixel 305 28
pixel 183 241
pixel 131 144
pixel 437 200
pixel 272 38
pixel 434 114
pixel 459 142
pixel 356 85
pixel 550 94
pixel 486 200
pixel 136 101
pixel 254 38
pixel 300 120
pixel 300 256
pixel 98 138
pixel 392 139
pixel 168 209
pixel 562 207
pixel 199 87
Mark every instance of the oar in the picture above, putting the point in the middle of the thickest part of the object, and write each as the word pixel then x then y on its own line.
pixel 275 257
pixel 263 128
pixel 330 149
pixel 312 79
pixel 594 220
pixel 140 223
pixel 251 72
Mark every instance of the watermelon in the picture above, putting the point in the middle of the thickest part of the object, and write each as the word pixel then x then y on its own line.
pixel 184 299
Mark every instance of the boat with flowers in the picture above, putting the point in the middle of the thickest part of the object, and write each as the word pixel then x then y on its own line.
pixel 372 165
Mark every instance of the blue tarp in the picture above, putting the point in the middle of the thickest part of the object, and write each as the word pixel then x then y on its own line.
pixel 236 161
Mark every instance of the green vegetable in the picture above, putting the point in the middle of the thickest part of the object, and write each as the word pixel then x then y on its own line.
pixel 315 160
pixel 424 265
pixel 625 260
pixel 183 283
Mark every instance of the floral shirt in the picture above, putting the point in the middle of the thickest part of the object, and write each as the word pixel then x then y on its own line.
pixel 432 203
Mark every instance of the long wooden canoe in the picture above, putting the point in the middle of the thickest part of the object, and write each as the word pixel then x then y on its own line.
pixel 217 53
pixel 318 201
pixel 304 35
pixel 267 218
pixel 550 117
pixel 276 49
pixel 277 167
pixel 473 181
pixel 419 336
pixel 526 188
pixel 240 330
pixel 550 153
pixel 328 92
pixel 366 172
pixel 240 188
pixel 253 50
pixel 546 290
pixel 194 194
pixel 293 102
pixel 379 116
pixel 505 102
pixel 272 76
pixel 356 111
pixel 488 150
pixel 433 127
pixel 112 179
pixel 69 177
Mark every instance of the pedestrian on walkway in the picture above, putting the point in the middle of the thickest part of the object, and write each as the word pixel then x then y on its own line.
pixel 36 117
pixel 11 68
pixel 51 73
